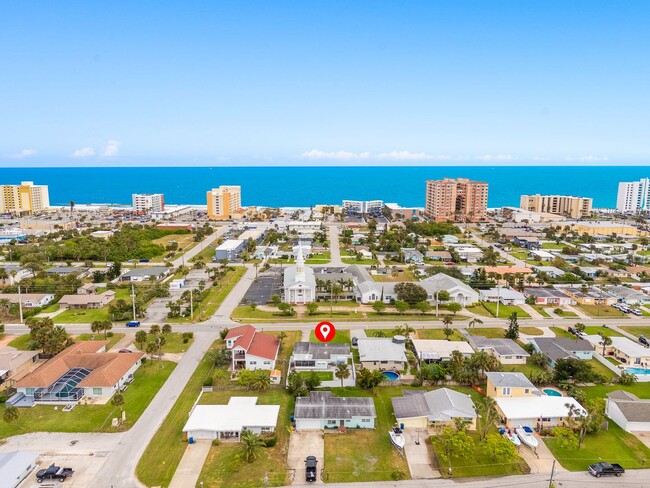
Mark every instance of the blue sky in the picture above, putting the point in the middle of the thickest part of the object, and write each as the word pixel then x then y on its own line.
pixel 271 83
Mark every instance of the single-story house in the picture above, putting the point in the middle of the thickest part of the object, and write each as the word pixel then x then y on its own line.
pixel 76 302
pixel 30 300
pixel 412 255
pixel 593 296
pixel 444 256
pixel 67 270
pixel 15 466
pixel 145 274
pixel 450 239
pixel 628 295
pixel 540 255
pixel 251 349
pixel 381 353
pixel 549 296
pixel 506 385
pixel 626 351
pixel 506 296
pixel 229 249
pixel 469 254
pixel 81 370
pixel 628 411
pixel 589 271
pixel 458 291
pixel 177 284
pixel 321 410
pixel 539 411
pixel 88 289
pixel 262 252
pixel 550 271
pixel 14 362
pixel 555 348
pixel 505 350
pixel 102 234
pixel 16 273
pixel 314 356
pixel 531 242
pixel 434 351
pixel 229 421
pixel 436 408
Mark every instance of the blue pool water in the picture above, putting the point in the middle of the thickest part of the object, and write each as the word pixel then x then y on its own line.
pixel 390 375
pixel 637 370
pixel 551 392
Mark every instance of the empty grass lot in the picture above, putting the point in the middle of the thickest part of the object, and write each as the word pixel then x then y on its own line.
pixel 601 368
pixel 596 329
pixel 173 343
pixel 149 378
pixel 404 274
pixel 488 309
pixel 613 445
pixel 341 337
pixel 636 330
pixel 602 311
pixel 224 468
pixel 498 332
pixel 321 258
pixel 165 450
pixel 117 337
pixel 559 332
pixel 439 334
pixel 566 314
pixel 541 311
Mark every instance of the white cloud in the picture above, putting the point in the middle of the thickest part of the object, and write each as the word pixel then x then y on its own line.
pixel 412 156
pixel 84 152
pixel 112 149
pixel 25 153
pixel 339 155
pixel 587 159
pixel 494 157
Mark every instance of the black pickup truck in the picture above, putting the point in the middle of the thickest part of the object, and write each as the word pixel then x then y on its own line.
pixel 54 473
pixel 310 465
pixel 606 469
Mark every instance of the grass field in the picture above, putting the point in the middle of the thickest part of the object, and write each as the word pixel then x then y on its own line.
pixel 602 311
pixel 541 311
pixel 642 390
pixel 488 309
pixel 559 332
pixel 637 330
pixel 596 329
pixel 225 469
pixel 173 343
pixel 341 337
pixel 185 243
pixel 438 334
pixel 117 337
pixel 21 342
pixel 404 274
pixel 613 445
pixel 322 258
pixel 567 314
pixel 206 254
pixel 165 450
pixel 601 368
pixel 478 463
pixel 91 314
pixel 149 378
pixel 527 368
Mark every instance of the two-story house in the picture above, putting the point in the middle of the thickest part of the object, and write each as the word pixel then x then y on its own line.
pixel 507 385
pixel 319 356
pixel 251 349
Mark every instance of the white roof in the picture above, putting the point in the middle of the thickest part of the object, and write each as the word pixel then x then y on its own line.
pixel 536 406
pixel 241 412
pixel 628 347
pixel 380 349
pixel 230 244
pixel 13 466
pixel 542 254
pixel 505 293
pixel 430 348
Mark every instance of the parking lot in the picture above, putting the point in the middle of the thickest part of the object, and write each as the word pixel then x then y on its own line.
pixel 266 285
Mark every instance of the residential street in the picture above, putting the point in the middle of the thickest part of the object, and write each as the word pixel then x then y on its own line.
pixel 335 248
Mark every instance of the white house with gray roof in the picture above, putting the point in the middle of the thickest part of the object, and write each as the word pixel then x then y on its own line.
pixel 145 274
pixel 555 348
pixel 505 350
pixel 381 353
pixel 323 356
pixel 628 411
pixel 436 408
pixel 322 410
pixel 506 296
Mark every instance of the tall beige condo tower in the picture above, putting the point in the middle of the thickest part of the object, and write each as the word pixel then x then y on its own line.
pixel 456 199
pixel 574 207
pixel 223 202
pixel 26 198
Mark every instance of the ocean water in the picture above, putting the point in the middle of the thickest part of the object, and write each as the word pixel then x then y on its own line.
pixel 304 186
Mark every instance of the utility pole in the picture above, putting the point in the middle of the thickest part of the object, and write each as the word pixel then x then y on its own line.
pixel 20 304
pixel 191 305
pixel 133 300
pixel 498 298
pixel 550 481
pixel 437 302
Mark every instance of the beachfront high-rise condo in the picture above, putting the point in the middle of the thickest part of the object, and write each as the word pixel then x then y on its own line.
pixel 148 202
pixel 633 196
pixel 459 200
pixel 573 207
pixel 24 199
pixel 224 202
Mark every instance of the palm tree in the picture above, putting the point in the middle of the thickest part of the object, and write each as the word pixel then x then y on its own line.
pixel 282 336
pixel 473 322
pixel 141 337
pixel 118 400
pixel 342 372
pixel 71 206
pixel 10 414
pixel 152 347
pixel 4 305
pixel 251 445
pixel 605 341
pixel 484 361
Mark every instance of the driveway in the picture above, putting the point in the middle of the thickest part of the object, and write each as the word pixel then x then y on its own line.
pixel 541 459
pixel 191 464
pixel 419 457
pixel 302 444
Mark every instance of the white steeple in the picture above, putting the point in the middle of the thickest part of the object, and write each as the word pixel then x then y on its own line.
pixel 300 264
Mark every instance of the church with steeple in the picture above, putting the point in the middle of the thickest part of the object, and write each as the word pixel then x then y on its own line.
pixel 299 281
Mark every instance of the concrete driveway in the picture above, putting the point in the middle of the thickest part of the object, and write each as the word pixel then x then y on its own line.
pixel 541 459
pixel 302 444
pixel 191 464
pixel 419 457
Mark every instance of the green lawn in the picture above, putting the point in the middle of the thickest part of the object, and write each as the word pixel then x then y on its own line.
pixel 541 311
pixel 117 337
pixel 149 378
pixel 492 332
pixel 567 314
pixel 340 303
pixel 596 329
pixel 323 258
pixel 350 260
pixel 224 468
pixel 531 331
pixel 91 314
pixel 21 342
pixel 408 317
pixel 438 334
pixel 404 275
pixel 559 332
pixel 478 463
pixel 365 455
pixel 602 311
pixel 527 368
pixel 552 245
pixel 245 314
pixel 322 375
pixel 341 337
pixel 642 390
pixel 488 309
pixel 206 254
pixel 173 343
pixel 165 450
pixel 51 308
pixel 613 445
pixel 601 368
pixel 637 330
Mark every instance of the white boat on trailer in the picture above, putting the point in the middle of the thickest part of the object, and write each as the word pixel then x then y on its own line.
pixel 527 436
pixel 512 437
pixel 397 438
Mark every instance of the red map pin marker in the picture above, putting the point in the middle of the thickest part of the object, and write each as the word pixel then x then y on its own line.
pixel 325 331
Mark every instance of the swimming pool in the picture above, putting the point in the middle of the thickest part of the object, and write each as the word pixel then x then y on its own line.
pixel 637 370
pixel 551 392
pixel 390 375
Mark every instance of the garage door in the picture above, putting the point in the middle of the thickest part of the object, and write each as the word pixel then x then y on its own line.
pixel 308 424
pixel 202 434
pixel 524 423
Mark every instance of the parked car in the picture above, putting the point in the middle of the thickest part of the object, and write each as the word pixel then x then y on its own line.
pixel 644 341
pixel 582 335
pixel 606 469
pixel 355 342
pixel 144 260
pixel 571 330
pixel 54 473
pixel 637 312
pixel 133 323
pixel 310 464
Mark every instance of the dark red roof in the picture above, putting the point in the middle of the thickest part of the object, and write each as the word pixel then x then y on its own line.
pixel 255 343
pixel 245 334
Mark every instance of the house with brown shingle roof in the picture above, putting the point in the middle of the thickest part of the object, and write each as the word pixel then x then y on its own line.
pixel 251 349
pixel 87 300
pixel 83 370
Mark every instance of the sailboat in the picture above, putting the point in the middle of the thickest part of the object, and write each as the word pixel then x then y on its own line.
pixel 527 436
pixel 397 437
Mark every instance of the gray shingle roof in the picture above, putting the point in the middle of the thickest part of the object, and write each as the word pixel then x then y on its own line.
pixel 504 347
pixel 437 405
pixel 634 410
pixel 147 271
pixel 545 293
pixel 512 380
pixel 561 347
pixel 320 350
pixel 322 405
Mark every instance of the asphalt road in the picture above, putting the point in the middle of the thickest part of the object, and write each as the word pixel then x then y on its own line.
pixel 335 249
